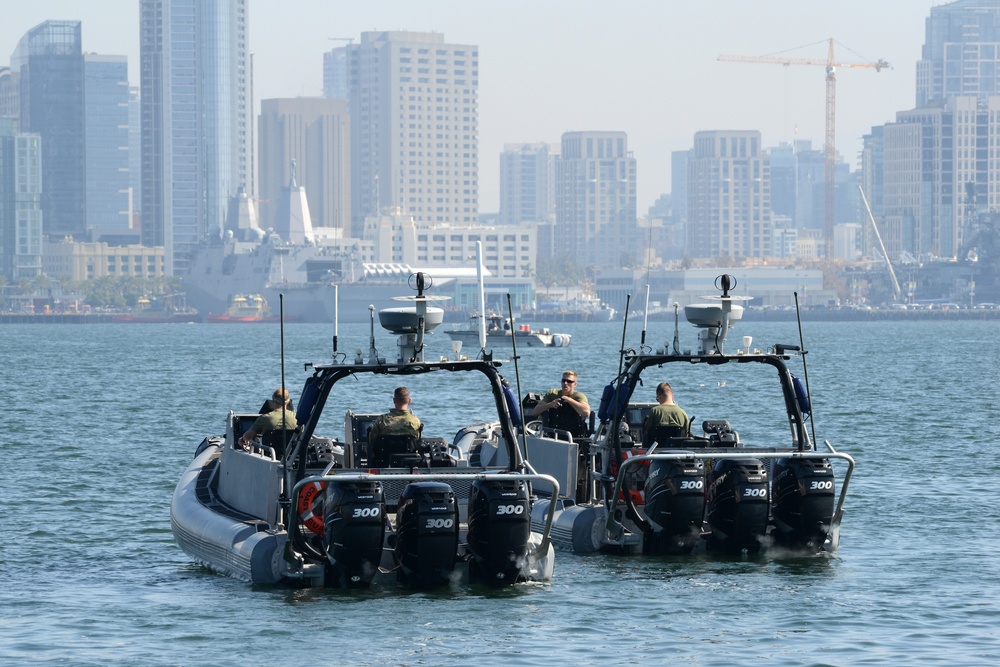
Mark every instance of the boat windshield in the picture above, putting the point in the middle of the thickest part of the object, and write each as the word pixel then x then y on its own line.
pixel 444 401
pixel 747 395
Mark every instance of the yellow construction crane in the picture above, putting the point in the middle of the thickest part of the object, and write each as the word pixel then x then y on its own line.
pixel 831 66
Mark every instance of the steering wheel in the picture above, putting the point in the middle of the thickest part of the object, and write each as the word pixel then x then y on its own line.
pixel 533 428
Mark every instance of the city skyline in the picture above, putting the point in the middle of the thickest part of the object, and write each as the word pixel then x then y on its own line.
pixel 582 66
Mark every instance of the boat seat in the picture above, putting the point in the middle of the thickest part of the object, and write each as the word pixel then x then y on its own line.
pixel 394 451
pixel 277 439
pixel 665 435
pixel 720 433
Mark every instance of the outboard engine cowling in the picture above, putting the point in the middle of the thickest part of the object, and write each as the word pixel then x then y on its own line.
pixel 803 497
pixel 426 533
pixel 675 506
pixel 737 504
pixel 499 528
pixel 354 518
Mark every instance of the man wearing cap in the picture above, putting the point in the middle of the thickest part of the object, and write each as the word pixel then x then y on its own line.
pixel 277 415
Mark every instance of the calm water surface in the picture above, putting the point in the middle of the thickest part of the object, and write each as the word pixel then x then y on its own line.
pixel 102 420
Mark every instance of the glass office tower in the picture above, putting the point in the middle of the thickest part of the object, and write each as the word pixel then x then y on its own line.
pixel 195 100
pixel 48 67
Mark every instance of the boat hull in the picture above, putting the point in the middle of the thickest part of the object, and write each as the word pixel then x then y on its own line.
pixel 229 545
pixel 229 319
pixel 507 341
pixel 179 318
pixel 215 535
pixel 286 275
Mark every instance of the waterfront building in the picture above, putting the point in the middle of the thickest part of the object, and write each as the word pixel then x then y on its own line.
pixel 847 241
pixel 595 203
pixel 939 169
pixel 871 175
pixel 960 52
pixel 768 287
pixel 508 250
pixel 679 185
pixel 526 183
pixel 729 199
pixel 196 120
pixel 928 174
pixel 336 79
pixel 66 259
pixel 786 238
pixel 106 145
pixel 135 154
pixel 414 127
pixel 313 134
pixel 20 203
pixel 9 106
pixel 784 181
pixel 48 70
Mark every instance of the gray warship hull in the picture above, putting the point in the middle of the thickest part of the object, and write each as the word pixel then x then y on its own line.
pixel 305 278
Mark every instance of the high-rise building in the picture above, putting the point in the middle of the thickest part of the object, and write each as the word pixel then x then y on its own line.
pixel 871 175
pixel 20 202
pixel 729 196
pixel 810 186
pixel 135 151
pixel 314 134
pixel 936 175
pixel 679 185
pixel 48 69
pixel 414 128
pixel 106 145
pixel 784 180
pixel 9 107
pixel 336 79
pixel 196 122
pixel 526 183
pixel 961 51
pixel 595 199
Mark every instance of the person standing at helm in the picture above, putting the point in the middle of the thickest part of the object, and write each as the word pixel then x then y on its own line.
pixel 564 408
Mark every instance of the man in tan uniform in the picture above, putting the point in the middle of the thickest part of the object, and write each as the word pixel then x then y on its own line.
pixel 399 420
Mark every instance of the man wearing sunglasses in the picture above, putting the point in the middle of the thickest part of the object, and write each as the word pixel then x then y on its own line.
pixel 564 408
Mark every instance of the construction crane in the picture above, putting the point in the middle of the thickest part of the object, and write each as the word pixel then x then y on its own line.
pixel 831 66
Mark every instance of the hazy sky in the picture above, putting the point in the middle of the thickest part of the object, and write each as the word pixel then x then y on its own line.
pixel 645 67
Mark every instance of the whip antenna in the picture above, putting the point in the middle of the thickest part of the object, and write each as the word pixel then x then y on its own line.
pixel 517 373
pixel 805 368
pixel 284 392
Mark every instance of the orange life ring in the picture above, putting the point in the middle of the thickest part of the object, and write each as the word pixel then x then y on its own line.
pixel 635 475
pixel 310 497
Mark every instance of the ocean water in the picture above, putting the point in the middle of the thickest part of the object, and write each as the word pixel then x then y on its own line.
pixel 101 421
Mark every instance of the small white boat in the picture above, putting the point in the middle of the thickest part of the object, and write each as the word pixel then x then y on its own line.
pixel 500 335
pixel 320 505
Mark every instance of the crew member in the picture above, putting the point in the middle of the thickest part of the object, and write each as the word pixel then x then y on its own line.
pixel 276 415
pixel 564 408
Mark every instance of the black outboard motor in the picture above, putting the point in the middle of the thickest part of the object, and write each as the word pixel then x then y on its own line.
pixel 426 534
pixel 737 504
pixel 499 527
pixel 355 527
pixel 803 496
pixel 675 506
